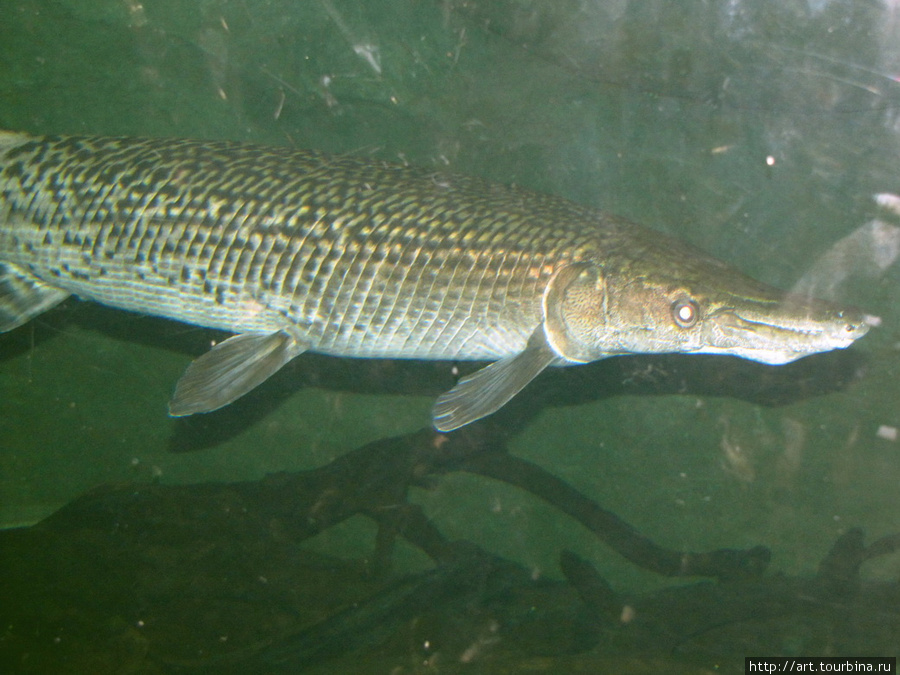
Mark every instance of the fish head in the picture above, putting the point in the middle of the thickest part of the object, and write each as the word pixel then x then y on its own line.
pixel 673 299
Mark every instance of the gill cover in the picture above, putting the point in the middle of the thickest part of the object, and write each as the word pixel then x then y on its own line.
pixel 576 312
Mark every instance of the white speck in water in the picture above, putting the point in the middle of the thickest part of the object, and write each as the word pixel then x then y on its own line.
pixel 888 201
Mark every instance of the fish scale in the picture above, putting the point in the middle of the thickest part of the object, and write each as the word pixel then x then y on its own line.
pixel 296 250
pixel 261 239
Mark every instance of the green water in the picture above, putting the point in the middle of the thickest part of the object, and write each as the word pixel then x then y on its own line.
pixel 759 131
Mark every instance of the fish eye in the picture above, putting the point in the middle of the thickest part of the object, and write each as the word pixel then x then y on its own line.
pixel 685 312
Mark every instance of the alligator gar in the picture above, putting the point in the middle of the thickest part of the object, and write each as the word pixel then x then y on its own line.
pixel 296 250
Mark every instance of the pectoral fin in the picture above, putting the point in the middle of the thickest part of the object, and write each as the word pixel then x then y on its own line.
pixel 487 390
pixel 23 296
pixel 231 369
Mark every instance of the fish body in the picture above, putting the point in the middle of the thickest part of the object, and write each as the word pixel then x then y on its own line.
pixel 296 250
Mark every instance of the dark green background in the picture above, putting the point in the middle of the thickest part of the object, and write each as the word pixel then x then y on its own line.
pixel 756 130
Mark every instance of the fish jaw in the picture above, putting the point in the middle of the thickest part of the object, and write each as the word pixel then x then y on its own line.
pixel 776 334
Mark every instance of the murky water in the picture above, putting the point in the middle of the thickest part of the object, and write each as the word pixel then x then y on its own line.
pixel 761 132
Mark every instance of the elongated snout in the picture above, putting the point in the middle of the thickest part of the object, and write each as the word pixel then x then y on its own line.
pixel 786 332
